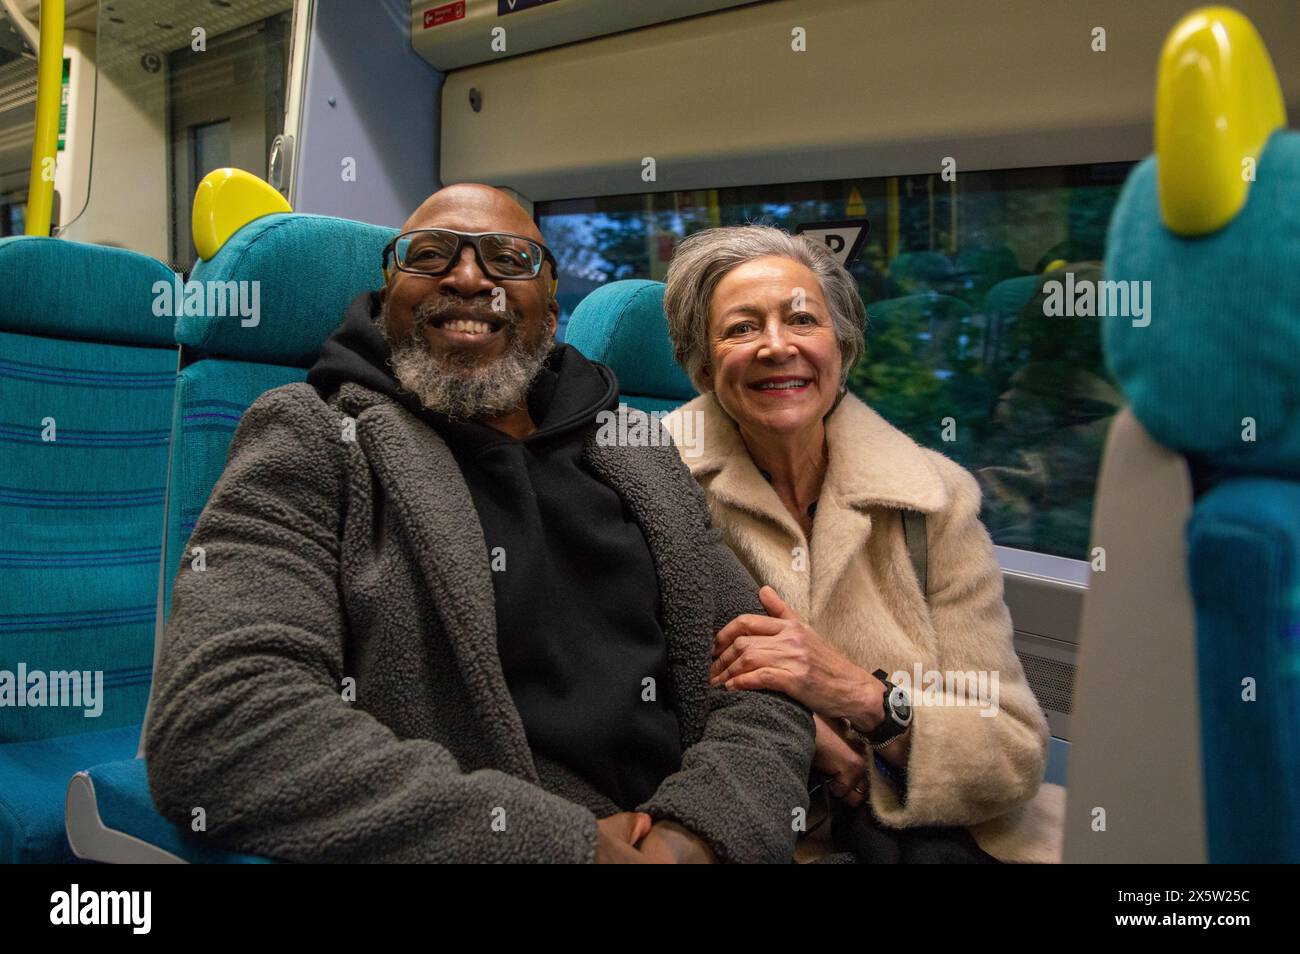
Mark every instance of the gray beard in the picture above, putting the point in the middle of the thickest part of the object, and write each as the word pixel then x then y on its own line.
pixel 461 385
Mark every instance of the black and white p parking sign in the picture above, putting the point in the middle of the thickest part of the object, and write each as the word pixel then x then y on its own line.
pixel 843 237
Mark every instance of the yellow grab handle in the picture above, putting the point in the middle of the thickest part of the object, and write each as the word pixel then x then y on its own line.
pixel 227 200
pixel 1217 102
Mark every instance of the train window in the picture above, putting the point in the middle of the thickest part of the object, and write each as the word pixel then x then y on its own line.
pixel 960 354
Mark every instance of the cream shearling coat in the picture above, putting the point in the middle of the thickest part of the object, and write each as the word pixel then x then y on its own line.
pixel 857 588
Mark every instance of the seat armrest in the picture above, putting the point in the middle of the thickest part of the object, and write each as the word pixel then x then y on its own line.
pixel 110 817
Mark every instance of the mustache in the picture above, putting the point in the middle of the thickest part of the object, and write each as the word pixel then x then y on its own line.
pixel 437 307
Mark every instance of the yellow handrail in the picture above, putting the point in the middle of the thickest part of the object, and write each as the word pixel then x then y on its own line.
pixel 49 95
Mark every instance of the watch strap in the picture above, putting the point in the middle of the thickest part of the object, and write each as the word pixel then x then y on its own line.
pixel 889 730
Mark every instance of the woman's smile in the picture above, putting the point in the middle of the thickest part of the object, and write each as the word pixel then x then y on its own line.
pixel 782 387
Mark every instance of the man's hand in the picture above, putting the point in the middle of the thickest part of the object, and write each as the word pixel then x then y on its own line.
pixel 670 844
pixel 617 835
pixel 835 757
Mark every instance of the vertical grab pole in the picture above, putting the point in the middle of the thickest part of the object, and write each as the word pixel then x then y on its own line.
pixel 49 95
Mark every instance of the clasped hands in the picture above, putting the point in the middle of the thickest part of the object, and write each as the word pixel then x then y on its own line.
pixel 635 838
pixel 781 653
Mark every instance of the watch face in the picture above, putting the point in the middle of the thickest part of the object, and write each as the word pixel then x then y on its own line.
pixel 901 704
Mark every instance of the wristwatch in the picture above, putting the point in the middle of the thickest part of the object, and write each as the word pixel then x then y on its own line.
pixel 898 715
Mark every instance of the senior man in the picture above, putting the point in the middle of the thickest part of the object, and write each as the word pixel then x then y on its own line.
pixel 440 621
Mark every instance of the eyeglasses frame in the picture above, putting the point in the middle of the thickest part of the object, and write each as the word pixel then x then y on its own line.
pixel 472 239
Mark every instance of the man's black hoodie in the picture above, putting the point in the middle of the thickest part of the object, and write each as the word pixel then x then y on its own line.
pixel 577 596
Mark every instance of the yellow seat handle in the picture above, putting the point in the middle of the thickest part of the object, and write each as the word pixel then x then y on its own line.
pixel 227 200
pixel 1217 102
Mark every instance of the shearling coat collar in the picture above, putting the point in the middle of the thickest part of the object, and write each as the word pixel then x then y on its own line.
pixel 872 464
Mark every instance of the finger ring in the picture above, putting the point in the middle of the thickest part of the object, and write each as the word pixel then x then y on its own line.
pixel 860 789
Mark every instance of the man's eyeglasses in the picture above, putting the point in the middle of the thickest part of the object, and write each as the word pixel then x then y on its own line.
pixel 501 255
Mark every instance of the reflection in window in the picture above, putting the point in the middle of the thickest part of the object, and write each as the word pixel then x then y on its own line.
pixel 13 219
pixel 209 149
pixel 225 106
pixel 959 353
pixel 17 124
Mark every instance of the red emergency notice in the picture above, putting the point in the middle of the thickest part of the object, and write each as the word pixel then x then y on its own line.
pixel 444 14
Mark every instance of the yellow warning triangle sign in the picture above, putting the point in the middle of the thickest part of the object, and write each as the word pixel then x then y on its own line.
pixel 855 205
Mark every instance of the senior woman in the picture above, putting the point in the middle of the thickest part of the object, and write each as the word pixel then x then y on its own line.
pixel 810 488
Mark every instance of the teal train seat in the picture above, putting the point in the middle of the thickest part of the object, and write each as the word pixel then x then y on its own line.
pixel 1189 682
pixel 87 374
pixel 1218 381
pixel 622 326
pixel 307 269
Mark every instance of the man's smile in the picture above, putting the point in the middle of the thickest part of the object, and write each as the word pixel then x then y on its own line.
pixel 464 327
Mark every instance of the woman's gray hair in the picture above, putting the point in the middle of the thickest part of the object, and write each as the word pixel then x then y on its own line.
pixel 702 260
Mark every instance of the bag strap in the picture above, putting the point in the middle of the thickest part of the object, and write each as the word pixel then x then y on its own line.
pixel 918 548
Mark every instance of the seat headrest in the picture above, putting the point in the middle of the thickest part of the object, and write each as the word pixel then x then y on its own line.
pixel 1216 372
pixel 1208 231
pixel 307 269
pixel 622 325
pixel 64 289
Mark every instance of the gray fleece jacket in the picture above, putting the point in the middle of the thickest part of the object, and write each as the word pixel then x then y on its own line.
pixel 329 688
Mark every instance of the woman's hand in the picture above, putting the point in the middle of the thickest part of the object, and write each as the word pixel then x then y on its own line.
pixel 782 653
pixel 846 766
